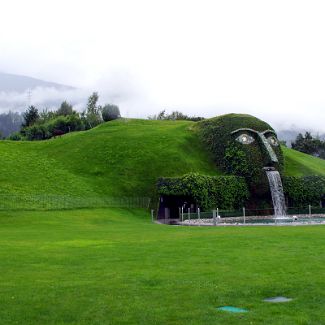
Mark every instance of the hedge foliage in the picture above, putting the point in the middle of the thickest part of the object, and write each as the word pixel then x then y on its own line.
pixel 55 126
pixel 233 157
pixel 302 191
pixel 225 192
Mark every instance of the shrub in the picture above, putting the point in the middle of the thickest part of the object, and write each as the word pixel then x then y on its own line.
pixel 37 132
pixel 302 191
pixel 225 192
pixel 15 136
pixel 110 112
pixel 65 124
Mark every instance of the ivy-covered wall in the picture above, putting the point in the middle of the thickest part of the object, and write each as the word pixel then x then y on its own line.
pixel 248 185
pixel 224 192
pixel 302 191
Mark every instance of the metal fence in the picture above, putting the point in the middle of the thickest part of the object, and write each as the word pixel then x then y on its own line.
pixel 58 202
pixel 246 213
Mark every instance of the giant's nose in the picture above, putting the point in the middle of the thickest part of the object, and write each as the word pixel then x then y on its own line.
pixel 270 152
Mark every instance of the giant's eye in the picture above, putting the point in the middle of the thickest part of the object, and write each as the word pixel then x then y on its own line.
pixel 273 140
pixel 245 139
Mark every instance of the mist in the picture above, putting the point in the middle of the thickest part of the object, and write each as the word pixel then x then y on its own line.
pixel 203 58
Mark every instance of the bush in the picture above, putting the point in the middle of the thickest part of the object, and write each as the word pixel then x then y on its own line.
pixel 225 192
pixel 37 132
pixel 302 191
pixel 65 124
pixel 110 112
pixel 15 136
pixel 56 126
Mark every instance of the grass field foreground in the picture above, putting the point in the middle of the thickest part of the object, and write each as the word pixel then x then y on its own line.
pixel 114 266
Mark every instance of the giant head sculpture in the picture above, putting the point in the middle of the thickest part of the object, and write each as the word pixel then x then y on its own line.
pixel 243 145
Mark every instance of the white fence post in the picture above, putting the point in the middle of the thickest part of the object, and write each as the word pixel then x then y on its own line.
pixel 152 216
pixel 182 213
pixel 214 217
pixel 199 216
pixel 189 214
pixel 244 215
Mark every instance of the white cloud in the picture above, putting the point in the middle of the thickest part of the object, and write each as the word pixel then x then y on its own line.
pixel 203 57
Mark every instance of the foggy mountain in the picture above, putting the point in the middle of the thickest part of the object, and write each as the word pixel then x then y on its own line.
pixel 18 92
pixel 17 83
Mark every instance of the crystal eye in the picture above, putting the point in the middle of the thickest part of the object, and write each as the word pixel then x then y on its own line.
pixel 273 140
pixel 245 139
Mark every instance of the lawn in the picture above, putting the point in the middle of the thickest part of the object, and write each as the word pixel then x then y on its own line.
pixel 113 266
pixel 118 158
pixel 301 164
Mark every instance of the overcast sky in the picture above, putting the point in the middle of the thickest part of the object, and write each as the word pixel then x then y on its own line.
pixel 205 58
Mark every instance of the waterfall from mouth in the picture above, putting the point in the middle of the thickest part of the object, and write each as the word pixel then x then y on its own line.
pixel 276 189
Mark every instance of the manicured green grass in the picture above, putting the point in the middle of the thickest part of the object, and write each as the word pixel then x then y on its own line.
pixel 300 164
pixel 119 158
pixel 114 266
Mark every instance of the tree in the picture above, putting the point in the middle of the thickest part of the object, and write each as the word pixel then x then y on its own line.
pixel 309 145
pixel 10 122
pixel 93 116
pixel 45 116
pixel 65 109
pixel 92 104
pixel 30 116
pixel 161 115
pixel 110 112
pixel 175 115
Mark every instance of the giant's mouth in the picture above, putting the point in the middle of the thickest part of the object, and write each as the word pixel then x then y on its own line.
pixel 269 169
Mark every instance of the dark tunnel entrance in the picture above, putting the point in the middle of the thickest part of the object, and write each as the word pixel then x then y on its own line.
pixel 171 205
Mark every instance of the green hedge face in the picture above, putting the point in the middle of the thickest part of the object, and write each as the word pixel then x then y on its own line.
pixel 242 145
pixel 225 192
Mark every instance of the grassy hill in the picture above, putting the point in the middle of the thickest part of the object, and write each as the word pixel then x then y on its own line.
pixel 300 164
pixel 119 158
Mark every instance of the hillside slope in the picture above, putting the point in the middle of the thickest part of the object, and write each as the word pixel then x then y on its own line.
pixel 301 164
pixel 122 158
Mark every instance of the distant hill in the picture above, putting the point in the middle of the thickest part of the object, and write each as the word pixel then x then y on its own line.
pixel 290 135
pixel 18 83
pixel 43 94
